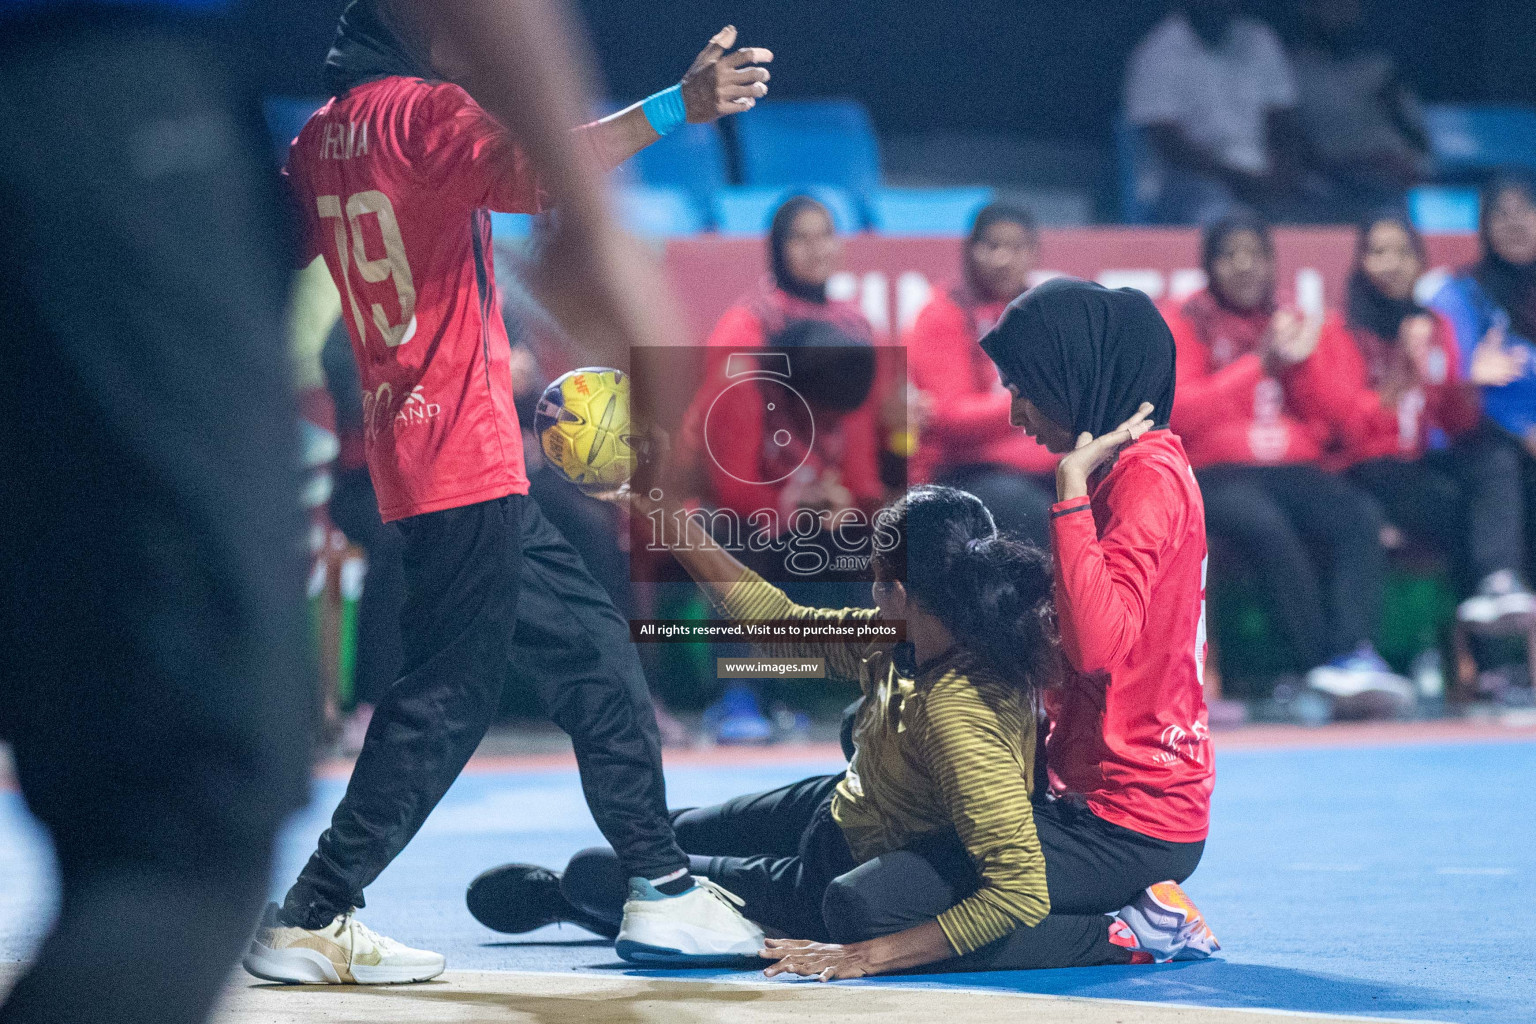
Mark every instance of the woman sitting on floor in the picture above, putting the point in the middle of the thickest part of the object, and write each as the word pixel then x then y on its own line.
pixel 944 764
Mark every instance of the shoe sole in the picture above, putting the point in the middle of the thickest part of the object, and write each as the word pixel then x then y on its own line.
pixel 642 953
pixel 310 967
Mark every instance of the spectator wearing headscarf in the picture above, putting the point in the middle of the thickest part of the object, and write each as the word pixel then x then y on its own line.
pixel 1492 306
pixel 966 440
pixel 1254 406
pixel 765 452
pixel 791 310
pixel 1405 399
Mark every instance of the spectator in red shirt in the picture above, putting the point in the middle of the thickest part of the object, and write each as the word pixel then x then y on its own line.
pixel 1407 401
pixel 1256 405
pixel 966 440
pixel 759 455
pixel 827 348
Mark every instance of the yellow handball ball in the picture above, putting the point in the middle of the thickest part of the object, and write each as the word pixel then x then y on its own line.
pixel 582 423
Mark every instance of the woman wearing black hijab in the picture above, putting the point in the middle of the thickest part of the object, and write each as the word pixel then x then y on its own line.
pixel 790 312
pixel 1406 370
pixel 1492 306
pixel 1092 374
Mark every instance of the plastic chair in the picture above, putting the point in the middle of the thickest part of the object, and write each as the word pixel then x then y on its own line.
pixel 1135 176
pixel 926 211
pixel 691 159
pixel 797 142
pixel 1472 139
pixel 1440 208
pixel 285 116
pixel 511 226
pixel 749 210
pixel 660 212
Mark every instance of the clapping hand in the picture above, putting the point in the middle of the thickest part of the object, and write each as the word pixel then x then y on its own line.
pixel 1496 363
pixel 1290 339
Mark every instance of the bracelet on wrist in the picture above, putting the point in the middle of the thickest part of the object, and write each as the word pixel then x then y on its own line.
pixel 665 110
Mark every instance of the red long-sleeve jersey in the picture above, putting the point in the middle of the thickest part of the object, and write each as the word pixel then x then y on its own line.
pixel 968 425
pixel 1129 730
pixel 1369 427
pixel 392 181
pixel 1228 408
pixel 849 445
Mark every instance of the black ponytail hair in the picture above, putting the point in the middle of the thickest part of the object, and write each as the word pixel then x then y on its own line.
pixel 991 591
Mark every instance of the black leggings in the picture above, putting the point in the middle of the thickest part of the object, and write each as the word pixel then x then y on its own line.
pixel 1092 868
pixel 1467 501
pixel 1315 540
pixel 781 852
pixel 777 850
pixel 487 586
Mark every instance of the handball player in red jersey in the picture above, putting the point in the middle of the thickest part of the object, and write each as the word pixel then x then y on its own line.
pixel 1091 371
pixel 393 180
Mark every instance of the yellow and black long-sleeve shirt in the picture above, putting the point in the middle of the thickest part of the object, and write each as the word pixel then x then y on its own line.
pixel 953 748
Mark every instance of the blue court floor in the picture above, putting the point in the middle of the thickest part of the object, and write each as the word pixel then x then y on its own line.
pixel 1393 881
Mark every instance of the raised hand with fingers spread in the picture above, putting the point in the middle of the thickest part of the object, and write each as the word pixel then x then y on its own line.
pixel 720 83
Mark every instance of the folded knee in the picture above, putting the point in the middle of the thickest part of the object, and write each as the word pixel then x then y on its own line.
pixel 848 914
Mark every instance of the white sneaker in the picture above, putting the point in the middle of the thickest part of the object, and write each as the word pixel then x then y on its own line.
pixel 1501 600
pixel 1364 679
pixel 344 952
pixel 1168 925
pixel 700 925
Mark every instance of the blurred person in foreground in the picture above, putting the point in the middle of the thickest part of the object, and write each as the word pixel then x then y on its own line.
pixel 760 455
pixel 1363 126
pixel 1216 96
pixel 966 440
pixel 393 179
pixel 156 692
pixel 1492 306
pixel 1412 434
pixel 1256 407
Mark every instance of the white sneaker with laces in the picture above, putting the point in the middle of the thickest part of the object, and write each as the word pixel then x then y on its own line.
pixel 344 952
pixel 700 925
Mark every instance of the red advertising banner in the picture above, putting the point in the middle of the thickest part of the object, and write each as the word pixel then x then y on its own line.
pixel 893 277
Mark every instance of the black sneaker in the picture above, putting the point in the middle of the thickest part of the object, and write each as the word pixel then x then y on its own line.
pixel 517 898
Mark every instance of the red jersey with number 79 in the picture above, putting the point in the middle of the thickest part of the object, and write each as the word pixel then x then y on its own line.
pixel 393 180
pixel 1129 732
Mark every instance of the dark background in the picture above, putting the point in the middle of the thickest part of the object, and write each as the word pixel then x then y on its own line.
pixel 1043 70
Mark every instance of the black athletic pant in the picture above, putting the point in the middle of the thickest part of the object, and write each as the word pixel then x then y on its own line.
pixel 777 850
pixel 1019 502
pixel 1466 501
pixel 1315 540
pixel 355 511
pixel 154 686
pixel 487 586
pixel 1092 868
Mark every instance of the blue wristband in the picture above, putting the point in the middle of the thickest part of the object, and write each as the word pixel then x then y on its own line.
pixel 665 110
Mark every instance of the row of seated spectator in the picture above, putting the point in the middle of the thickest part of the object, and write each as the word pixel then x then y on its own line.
pixel 1218 114
pixel 1318 441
